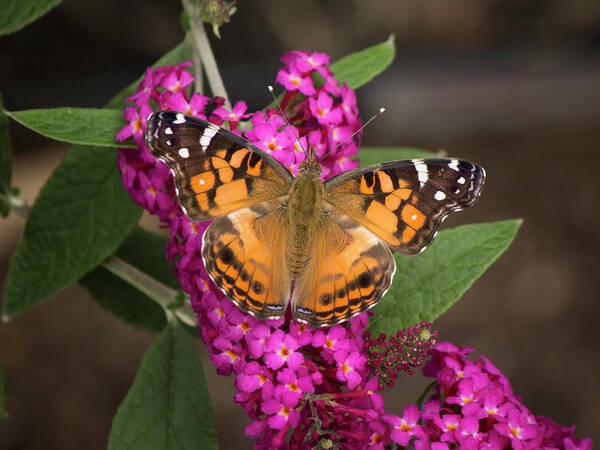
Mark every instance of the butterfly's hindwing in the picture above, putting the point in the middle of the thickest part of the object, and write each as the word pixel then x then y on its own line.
pixel 404 202
pixel 215 171
pixel 244 257
pixel 350 271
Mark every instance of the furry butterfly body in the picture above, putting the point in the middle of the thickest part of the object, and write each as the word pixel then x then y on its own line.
pixel 331 240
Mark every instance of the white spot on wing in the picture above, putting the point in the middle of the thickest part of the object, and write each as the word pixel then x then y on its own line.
pixel 439 196
pixel 453 164
pixel 184 152
pixel 461 180
pixel 207 136
pixel 205 142
pixel 168 130
pixel 422 172
pixel 179 118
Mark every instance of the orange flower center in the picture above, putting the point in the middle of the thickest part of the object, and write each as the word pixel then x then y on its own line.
pixel 406 427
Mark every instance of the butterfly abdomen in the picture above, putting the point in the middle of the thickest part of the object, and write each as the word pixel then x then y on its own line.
pixel 305 207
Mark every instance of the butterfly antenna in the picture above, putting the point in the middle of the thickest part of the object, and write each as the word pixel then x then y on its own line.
pixel 377 114
pixel 271 91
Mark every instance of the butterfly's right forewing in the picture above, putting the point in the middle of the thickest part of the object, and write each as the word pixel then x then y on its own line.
pixel 404 202
pixel 215 171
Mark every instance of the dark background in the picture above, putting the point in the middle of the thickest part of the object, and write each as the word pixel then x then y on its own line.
pixel 512 85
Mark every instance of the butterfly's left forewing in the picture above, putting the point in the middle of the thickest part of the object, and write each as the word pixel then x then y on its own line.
pixel 404 202
pixel 215 171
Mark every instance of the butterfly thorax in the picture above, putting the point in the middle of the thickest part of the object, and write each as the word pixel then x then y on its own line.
pixel 305 207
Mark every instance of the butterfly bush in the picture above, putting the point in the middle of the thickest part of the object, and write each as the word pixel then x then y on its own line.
pixel 303 387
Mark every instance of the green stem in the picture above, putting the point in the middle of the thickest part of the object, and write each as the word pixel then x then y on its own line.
pixel 201 46
pixel 199 83
pixel 161 294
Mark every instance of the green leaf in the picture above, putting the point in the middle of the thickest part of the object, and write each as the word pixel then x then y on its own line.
pixel 427 285
pixel 85 126
pixel 374 155
pixel 82 215
pixel 18 13
pixel 359 68
pixel 146 251
pixel 3 415
pixel 5 163
pixel 168 406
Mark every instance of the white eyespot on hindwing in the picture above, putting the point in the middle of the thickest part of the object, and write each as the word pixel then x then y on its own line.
pixel 184 153
pixel 439 196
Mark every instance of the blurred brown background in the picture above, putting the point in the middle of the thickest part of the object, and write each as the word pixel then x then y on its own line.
pixel 512 85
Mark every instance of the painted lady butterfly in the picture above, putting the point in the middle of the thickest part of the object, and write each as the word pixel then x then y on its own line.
pixel 333 239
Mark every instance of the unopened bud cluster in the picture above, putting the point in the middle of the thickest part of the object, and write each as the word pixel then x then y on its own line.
pixel 389 355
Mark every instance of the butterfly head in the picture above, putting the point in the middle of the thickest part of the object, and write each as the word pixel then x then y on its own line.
pixel 311 165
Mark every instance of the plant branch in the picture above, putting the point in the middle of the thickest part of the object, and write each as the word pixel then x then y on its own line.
pixel 202 47
pixel 161 294
pixel 199 83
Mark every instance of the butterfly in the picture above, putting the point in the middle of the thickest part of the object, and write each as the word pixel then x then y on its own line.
pixel 328 243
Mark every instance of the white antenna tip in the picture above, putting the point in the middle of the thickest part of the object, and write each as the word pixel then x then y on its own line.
pixel 381 110
pixel 270 88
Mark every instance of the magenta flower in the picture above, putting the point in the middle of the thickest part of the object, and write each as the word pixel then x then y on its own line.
pixel 301 332
pixel 467 434
pixel 293 80
pixel 292 388
pixel 177 78
pixel 349 367
pixel 405 427
pixel 257 339
pixel 280 350
pixel 280 414
pixel 584 444
pixel 228 357
pixel 323 109
pixel 333 340
pixel 517 429
pixel 146 89
pixel 236 114
pixel 136 125
pixel 179 102
pixel 254 377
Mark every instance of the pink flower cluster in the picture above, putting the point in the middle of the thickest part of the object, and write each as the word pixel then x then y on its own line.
pixel 287 375
pixel 306 388
pixel 474 407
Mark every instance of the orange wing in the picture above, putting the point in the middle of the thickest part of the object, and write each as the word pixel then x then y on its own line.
pixel 245 258
pixel 404 202
pixel 350 270
pixel 215 171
